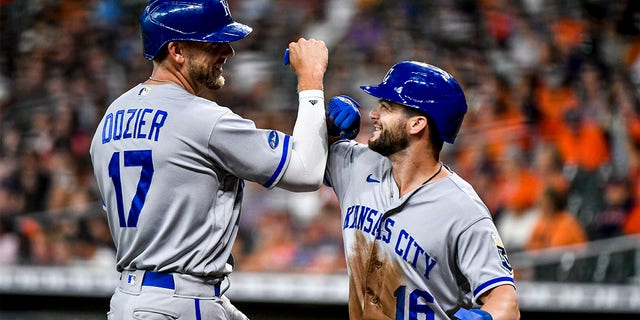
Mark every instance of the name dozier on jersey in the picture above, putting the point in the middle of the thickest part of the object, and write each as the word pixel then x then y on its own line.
pixel 362 218
pixel 132 124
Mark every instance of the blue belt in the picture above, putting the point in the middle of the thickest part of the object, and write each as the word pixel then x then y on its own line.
pixel 165 280
pixel 158 279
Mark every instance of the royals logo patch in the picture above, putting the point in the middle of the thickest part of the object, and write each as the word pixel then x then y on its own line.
pixel 273 139
pixel 502 252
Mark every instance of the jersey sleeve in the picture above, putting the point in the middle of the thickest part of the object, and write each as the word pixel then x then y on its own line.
pixel 258 155
pixel 482 258
pixel 348 159
pixel 340 164
pixel 337 161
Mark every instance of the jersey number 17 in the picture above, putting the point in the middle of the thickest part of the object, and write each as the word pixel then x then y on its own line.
pixel 132 158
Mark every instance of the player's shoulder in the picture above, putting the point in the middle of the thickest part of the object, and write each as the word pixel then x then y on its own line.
pixel 461 194
pixel 351 150
pixel 176 97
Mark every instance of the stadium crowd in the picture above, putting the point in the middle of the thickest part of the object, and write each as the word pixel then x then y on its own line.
pixel 551 141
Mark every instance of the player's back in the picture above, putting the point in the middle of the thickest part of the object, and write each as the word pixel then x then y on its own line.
pixel 170 207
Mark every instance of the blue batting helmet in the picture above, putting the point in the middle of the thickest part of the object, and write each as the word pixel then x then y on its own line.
pixel 163 21
pixel 427 88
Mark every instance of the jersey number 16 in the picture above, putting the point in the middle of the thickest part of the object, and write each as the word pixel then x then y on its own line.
pixel 415 308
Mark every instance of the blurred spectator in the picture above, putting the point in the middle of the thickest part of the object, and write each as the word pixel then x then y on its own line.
pixel 93 246
pixel 34 183
pixel 550 168
pixel 582 142
pixel 518 188
pixel 553 97
pixel 320 242
pixel 275 247
pixel 9 243
pixel 585 152
pixel 555 226
pixel 617 206
pixel 632 223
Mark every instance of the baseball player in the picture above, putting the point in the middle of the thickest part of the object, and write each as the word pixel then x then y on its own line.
pixel 170 165
pixel 419 242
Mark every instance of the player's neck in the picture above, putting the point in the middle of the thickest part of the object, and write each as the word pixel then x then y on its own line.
pixel 164 76
pixel 411 172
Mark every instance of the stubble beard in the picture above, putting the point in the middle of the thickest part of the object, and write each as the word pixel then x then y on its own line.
pixel 210 78
pixel 390 141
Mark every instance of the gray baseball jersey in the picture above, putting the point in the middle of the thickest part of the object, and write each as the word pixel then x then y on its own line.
pixel 170 168
pixel 420 256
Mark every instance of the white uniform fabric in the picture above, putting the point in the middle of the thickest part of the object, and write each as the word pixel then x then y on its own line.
pixel 440 252
pixel 183 297
pixel 170 167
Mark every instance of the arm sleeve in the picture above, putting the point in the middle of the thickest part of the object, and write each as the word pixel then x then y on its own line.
pixel 309 145
pixel 483 259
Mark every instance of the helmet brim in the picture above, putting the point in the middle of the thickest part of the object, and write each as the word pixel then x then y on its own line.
pixel 372 90
pixel 232 32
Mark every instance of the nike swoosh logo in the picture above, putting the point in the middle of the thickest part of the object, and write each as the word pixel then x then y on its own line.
pixel 370 179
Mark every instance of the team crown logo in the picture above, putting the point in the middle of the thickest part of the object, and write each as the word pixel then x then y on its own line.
pixel 227 11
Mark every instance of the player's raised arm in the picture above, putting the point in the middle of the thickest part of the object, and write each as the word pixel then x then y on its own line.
pixel 308 59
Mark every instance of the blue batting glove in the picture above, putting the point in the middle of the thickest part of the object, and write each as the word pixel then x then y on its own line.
pixel 343 117
pixel 473 314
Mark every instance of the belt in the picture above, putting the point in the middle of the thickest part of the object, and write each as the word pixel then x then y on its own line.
pixel 158 279
pixel 166 280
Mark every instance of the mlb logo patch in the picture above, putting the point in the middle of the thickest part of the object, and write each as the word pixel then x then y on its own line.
pixel 144 91
pixel 132 279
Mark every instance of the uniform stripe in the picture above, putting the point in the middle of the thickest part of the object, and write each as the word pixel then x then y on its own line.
pixel 490 282
pixel 198 315
pixel 283 160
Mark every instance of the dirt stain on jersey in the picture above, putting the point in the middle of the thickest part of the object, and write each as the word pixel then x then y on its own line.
pixel 373 280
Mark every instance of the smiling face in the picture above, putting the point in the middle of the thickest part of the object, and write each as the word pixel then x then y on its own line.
pixel 389 134
pixel 204 63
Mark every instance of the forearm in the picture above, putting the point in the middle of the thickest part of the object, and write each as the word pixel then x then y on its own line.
pixel 502 303
pixel 309 145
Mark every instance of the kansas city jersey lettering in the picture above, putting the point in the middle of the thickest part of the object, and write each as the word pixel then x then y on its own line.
pixel 133 124
pixel 405 246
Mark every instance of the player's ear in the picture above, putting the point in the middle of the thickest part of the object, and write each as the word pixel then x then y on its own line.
pixel 176 51
pixel 417 124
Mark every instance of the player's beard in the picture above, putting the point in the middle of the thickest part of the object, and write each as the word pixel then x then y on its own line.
pixel 208 76
pixel 390 140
